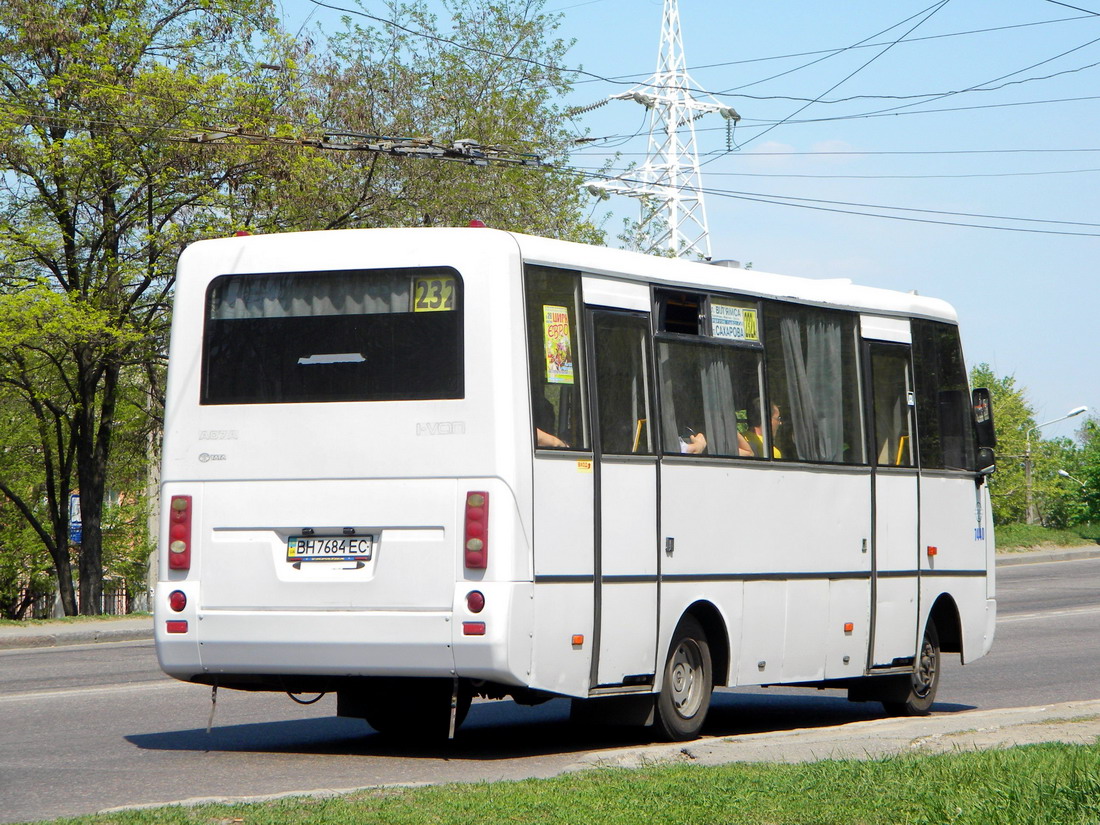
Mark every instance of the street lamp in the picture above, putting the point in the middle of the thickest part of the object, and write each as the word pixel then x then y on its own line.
pixel 1064 474
pixel 1032 512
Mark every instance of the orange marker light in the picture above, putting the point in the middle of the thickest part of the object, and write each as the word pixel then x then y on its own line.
pixel 932 551
pixel 578 640
pixel 849 627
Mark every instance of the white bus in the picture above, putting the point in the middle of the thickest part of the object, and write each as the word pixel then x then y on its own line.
pixel 414 466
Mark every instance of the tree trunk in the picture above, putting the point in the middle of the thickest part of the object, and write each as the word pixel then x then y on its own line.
pixel 64 574
pixel 93 448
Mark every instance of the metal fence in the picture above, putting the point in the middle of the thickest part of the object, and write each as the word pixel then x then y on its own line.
pixel 117 601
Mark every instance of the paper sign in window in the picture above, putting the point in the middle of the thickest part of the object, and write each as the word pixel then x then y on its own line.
pixel 433 294
pixel 558 345
pixel 733 321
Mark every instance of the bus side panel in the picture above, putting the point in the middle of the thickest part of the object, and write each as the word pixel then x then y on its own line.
pixel 767 524
pixel 562 611
pixel 564 563
pixel 846 650
pixel 955 521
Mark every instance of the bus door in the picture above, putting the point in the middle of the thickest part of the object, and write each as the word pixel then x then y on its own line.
pixel 626 514
pixel 563 484
pixel 895 536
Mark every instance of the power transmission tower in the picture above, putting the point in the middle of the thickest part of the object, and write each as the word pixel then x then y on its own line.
pixel 668 185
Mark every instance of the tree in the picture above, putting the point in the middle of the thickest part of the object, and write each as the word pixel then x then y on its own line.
pixel 132 127
pixel 95 202
pixel 1087 471
pixel 1013 416
pixel 491 77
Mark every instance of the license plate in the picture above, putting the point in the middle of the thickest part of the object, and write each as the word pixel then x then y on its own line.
pixel 342 548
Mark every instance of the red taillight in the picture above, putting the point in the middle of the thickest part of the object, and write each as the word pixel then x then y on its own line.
pixel 476 542
pixel 473 628
pixel 177 600
pixel 475 601
pixel 179 533
pixel 176 626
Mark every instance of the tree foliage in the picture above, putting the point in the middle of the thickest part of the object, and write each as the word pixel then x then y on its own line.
pixel 129 128
pixel 1058 500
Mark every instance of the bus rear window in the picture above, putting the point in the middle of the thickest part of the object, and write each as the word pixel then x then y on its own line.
pixel 359 335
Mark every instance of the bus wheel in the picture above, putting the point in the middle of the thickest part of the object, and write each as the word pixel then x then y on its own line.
pixel 924 680
pixel 417 708
pixel 685 695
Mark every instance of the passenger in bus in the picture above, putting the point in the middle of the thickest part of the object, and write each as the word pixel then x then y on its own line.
pixel 544 418
pixel 545 439
pixel 755 438
pixel 692 443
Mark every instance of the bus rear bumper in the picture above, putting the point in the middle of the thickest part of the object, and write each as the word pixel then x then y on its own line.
pixel 493 644
pixel 308 643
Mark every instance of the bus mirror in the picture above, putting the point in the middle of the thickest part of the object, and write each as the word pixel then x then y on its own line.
pixel 983 419
pixel 987 461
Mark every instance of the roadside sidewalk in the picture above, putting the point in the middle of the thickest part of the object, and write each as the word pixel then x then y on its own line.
pixel 53 634
pixel 1076 723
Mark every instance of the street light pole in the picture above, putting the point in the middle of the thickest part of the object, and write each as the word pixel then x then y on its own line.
pixel 1032 515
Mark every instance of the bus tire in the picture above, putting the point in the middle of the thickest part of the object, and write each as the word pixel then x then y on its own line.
pixel 688 680
pixel 924 680
pixel 416 708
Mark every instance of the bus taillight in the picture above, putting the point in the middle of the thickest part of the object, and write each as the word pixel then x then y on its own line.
pixel 179 533
pixel 476 544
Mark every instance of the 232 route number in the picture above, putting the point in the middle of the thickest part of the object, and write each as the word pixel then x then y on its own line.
pixel 433 294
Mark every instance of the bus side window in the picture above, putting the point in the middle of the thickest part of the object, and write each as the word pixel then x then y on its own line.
pixel 555 342
pixel 622 382
pixel 892 395
pixel 813 383
pixel 945 428
pixel 703 386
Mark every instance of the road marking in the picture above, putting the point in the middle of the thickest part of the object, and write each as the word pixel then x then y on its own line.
pixel 1048 614
pixel 109 690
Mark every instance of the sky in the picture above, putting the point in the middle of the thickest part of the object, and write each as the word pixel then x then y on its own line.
pixel 954 115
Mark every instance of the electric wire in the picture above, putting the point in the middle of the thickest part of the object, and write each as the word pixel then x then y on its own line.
pixel 927 16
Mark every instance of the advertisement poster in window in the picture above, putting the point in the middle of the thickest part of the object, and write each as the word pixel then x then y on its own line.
pixel 558 342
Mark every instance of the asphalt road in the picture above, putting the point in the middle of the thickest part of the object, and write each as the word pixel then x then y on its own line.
pixel 90 727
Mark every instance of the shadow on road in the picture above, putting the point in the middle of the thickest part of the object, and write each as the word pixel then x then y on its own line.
pixel 501 730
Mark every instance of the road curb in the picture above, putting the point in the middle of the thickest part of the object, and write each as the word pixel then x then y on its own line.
pixel 64 639
pixel 1041 556
pixel 1075 722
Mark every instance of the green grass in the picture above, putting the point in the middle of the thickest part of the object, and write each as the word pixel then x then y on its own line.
pixel 1031 536
pixel 1032 785
pixel 71 619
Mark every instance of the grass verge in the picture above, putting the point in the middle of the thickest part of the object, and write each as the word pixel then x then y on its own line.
pixel 1049 784
pixel 1017 537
